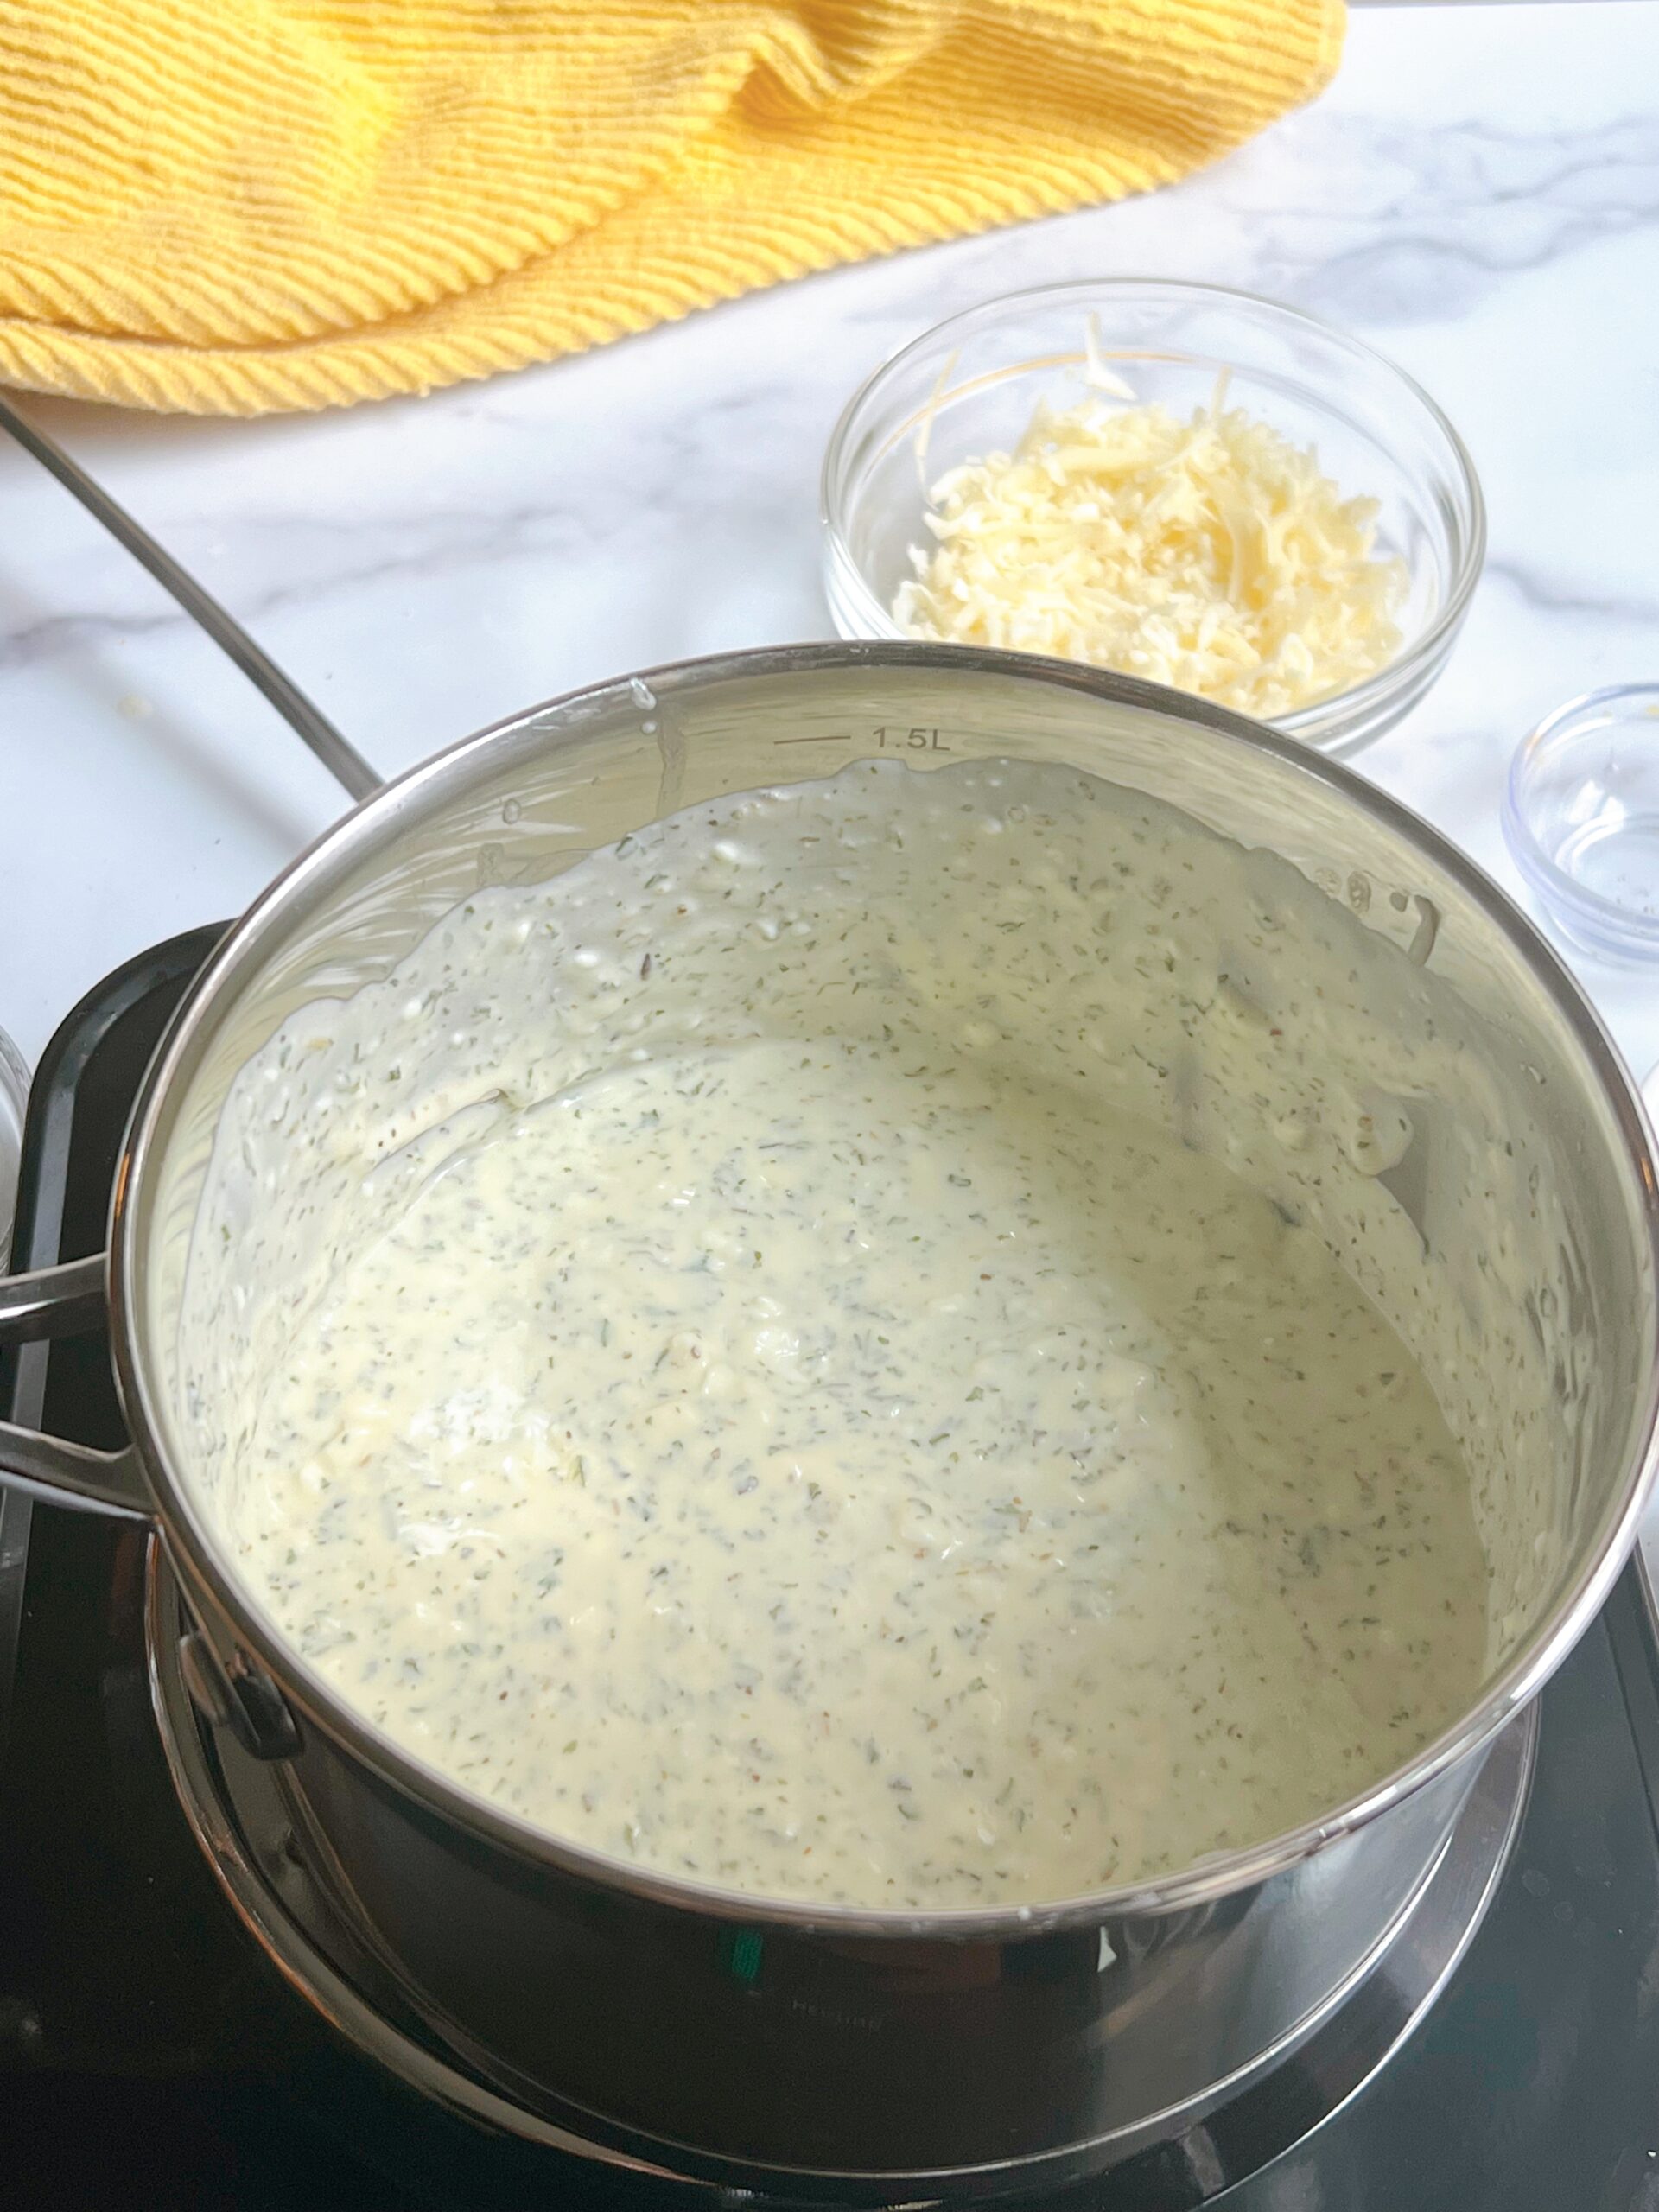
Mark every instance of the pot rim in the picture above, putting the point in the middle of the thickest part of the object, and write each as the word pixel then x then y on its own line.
pixel 213 1589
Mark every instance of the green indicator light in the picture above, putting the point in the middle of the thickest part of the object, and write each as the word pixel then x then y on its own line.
pixel 744 1956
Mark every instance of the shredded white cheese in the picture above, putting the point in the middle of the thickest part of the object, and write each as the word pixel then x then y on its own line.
pixel 1211 555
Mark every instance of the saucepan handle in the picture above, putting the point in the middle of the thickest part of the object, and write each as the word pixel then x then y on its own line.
pixel 62 1301
pixel 57 1301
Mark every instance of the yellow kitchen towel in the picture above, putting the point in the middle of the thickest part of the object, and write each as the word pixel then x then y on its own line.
pixel 231 206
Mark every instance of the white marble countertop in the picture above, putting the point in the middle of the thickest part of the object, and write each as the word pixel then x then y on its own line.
pixel 1478 194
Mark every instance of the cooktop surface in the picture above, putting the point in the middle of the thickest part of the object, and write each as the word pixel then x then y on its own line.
pixel 151 2057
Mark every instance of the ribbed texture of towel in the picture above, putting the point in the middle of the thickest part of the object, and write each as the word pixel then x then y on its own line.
pixel 231 206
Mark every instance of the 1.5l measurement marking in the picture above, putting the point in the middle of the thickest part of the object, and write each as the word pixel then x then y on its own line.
pixel 888 737
pixel 892 738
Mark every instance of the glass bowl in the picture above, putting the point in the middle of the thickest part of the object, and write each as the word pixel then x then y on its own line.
pixel 1581 817
pixel 970 386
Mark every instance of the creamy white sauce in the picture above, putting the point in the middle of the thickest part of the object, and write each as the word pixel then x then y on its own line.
pixel 757 1393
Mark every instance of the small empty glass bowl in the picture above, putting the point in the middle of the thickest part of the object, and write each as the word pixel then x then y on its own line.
pixel 970 386
pixel 1581 817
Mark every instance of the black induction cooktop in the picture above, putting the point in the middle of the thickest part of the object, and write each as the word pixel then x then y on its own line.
pixel 151 2060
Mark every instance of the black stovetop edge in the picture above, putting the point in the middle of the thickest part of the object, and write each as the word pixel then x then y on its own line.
pixel 38 1239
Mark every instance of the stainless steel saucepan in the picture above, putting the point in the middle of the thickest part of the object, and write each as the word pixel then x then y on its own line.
pixel 800 2047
